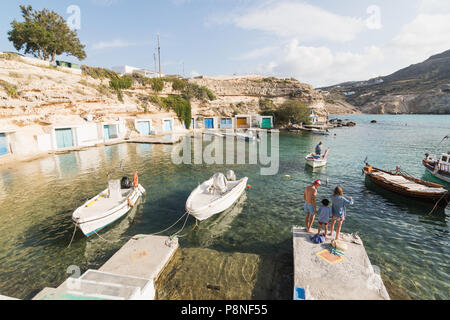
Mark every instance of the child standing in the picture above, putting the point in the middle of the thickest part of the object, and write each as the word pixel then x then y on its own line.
pixel 324 214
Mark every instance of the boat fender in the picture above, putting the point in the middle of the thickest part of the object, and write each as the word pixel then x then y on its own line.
pixel 130 204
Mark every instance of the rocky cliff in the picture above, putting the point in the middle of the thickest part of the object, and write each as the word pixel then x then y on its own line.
pixel 35 94
pixel 420 88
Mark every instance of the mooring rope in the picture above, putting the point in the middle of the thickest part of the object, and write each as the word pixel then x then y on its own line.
pixel 73 235
pixel 437 202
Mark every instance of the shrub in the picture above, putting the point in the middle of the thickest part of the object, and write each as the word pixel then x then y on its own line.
pixel 193 90
pixel 124 82
pixel 266 104
pixel 99 73
pixel 157 84
pixel 178 84
pixel 181 106
pixel 292 111
pixel 11 90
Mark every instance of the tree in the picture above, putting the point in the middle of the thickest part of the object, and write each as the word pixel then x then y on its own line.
pixel 45 34
pixel 293 111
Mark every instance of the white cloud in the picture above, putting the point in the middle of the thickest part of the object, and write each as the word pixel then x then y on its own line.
pixel 426 35
pixel 300 20
pixel 105 3
pixel 434 6
pixel 257 53
pixel 320 66
pixel 118 43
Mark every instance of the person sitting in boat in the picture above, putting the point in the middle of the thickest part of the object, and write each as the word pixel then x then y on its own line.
pixel 338 210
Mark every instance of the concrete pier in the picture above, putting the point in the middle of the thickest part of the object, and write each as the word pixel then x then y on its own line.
pixel 320 275
pixel 130 274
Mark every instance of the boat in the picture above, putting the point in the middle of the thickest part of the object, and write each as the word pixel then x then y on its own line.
pixel 248 136
pixel 316 161
pixel 407 185
pixel 439 167
pixel 212 133
pixel 108 206
pixel 215 195
pixel 320 132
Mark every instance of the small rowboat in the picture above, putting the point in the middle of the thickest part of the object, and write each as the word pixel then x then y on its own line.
pixel 320 132
pixel 211 197
pixel 317 161
pixel 107 207
pixel 408 186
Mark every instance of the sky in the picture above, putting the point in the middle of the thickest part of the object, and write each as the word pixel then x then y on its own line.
pixel 321 42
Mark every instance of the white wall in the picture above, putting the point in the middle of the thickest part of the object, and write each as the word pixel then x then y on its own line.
pixel 87 135
pixel 44 142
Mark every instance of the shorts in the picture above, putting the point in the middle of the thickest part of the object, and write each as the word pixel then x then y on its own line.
pixel 341 218
pixel 323 223
pixel 309 208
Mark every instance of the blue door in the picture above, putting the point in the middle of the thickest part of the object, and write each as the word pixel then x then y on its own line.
pixel 209 123
pixel 3 144
pixel 143 127
pixel 64 138
pixel 226 123
pixel 167 126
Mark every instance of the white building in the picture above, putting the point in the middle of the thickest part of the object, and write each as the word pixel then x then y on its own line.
pixel 122 70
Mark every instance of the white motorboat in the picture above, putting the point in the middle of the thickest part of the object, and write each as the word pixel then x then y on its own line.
pixel 438 167
pixel 317 161
pixel 213 133
pixel 320 132
pixel 215 195
pixel 247 136
pixel 107 207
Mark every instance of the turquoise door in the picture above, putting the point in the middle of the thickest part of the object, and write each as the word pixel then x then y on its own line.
pixel 167 126
pixel 143 127
pixel 209 123
pixel 64 138
pixel 3 144
pixel 266 123
pixel 106 135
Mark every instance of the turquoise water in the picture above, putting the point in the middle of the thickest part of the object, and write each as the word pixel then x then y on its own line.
pixel 410 246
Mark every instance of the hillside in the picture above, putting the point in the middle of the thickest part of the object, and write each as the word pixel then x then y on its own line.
pixel 420 88
pixel 33 95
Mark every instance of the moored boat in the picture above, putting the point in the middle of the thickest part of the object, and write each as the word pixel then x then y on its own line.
pixel 320 132
pixel 440 168
pixel 107 207
pixel 407 185
pixel 215 195
pixel 317 161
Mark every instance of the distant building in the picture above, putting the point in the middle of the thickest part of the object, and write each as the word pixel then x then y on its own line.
pixel 122 70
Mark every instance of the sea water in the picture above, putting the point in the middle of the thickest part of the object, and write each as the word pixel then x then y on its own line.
pixel 245 253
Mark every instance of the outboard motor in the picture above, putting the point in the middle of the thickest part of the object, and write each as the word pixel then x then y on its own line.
pixel 231 176
pixel 125 183
pixel 220 182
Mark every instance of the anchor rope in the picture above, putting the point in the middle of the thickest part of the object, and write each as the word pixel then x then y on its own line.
pixel 73 235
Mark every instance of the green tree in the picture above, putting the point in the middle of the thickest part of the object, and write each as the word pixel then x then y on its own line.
pixel 292 111
pixel 45 34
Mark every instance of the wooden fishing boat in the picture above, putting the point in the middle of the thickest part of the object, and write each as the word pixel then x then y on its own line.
pixel 407 185
pixel 316 161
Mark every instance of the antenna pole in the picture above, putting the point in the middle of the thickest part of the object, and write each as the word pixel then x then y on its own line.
pixel 159 55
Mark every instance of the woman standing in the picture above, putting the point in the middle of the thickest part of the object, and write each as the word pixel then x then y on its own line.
pixel 338 209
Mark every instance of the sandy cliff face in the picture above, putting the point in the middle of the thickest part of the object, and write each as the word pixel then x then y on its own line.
pixel 32 95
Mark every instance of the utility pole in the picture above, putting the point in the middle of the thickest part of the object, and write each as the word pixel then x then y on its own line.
pixel 159 56
pixel 154 60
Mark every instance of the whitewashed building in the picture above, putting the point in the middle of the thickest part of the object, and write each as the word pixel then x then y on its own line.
pixel 123 70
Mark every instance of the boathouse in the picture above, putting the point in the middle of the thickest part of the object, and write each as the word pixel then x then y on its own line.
pixel 113 130
pixel 226 123
pixel 243 121
pixel 143 126
pixel 167 124
pixel 5 147
pixel 265 122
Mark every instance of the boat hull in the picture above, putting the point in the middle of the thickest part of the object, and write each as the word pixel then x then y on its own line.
pixel 439 174
pixel 218 206
pixel 440 199
pixel 315 163
pixel 91 227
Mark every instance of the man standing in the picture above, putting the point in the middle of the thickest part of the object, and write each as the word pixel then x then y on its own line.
pixel 310 204
pixel 319 149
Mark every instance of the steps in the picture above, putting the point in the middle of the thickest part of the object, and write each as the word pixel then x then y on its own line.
pixel 97 285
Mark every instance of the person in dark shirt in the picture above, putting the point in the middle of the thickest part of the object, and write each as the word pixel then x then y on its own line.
pixel 319 149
